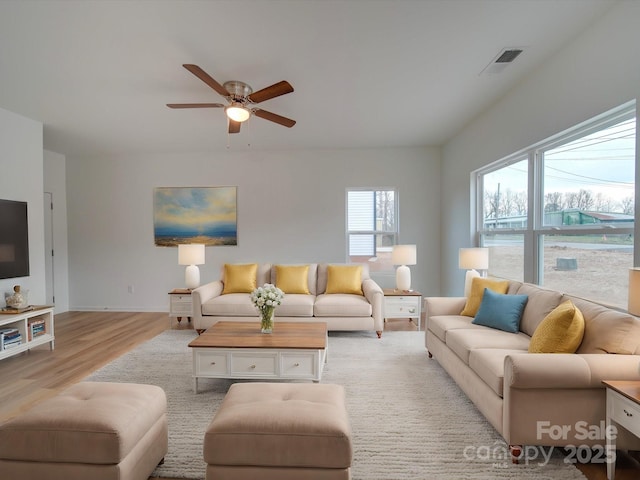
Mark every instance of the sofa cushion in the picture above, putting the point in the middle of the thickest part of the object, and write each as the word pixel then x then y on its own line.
pixel 239 278
pixel 296 305
pixel 541 302
pixel 439 325
pixel 322 274
pixel 292 278
pixel 607 330
pixel 463 341
pixel 560 332
pixel 488 364
pixel 477 291
pixel 344 279
pixel 341 305
pixel 231 305
pixel 500 311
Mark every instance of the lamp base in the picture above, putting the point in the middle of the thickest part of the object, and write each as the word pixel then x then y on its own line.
pixel 192 276
pixel 403 278
pixel 468 278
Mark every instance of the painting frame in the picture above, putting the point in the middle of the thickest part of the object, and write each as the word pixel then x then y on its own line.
pixel 205 215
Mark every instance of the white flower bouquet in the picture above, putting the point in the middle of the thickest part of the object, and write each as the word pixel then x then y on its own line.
pixel 266 298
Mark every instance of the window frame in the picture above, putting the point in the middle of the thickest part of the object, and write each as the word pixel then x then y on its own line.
pixel 375 232
pixel 535 230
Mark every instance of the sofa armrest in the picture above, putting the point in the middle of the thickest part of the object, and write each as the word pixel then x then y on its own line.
pixel 562 370
pixel 202 294
pixel 443 305
pixel 374 295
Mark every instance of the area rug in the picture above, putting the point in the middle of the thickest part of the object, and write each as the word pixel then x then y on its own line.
pixel 409 419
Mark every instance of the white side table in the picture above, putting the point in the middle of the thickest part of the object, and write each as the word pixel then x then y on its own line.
pixel 402 304
pixel 180 303
pixel 623 409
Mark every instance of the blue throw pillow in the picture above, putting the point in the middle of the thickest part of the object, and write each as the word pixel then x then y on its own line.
pixel 501 311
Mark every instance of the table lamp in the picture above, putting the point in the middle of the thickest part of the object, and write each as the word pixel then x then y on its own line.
pixel 191 254
pixel 472 260
pixel 403 255
pixel 634 291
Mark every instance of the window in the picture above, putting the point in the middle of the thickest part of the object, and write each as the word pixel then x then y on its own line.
pixel 372 227
pixel 561 213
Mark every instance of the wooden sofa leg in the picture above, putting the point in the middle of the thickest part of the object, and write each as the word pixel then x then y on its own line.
pixel 430 354
pixel 379 332
pixel 516 453
pixel 200 330
pixel 161 461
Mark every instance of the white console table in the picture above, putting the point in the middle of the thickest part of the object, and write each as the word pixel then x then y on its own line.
pixel 24 322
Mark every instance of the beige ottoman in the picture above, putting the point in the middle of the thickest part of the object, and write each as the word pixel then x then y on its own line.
pixel 280 431
pixel 97 431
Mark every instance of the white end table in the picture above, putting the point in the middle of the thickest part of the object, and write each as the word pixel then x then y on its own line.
pixel 402 304
pixel 180 303
pixel 623 409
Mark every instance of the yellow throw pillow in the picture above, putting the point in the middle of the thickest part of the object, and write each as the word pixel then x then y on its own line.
pixel 477 291
pixel 293 278
pixel 560 332
pixel 344 279
pixel 239 278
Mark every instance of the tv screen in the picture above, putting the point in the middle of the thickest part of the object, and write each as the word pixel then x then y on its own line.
pixel 14 239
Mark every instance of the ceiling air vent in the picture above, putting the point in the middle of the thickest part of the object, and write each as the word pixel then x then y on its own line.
pixel 501 61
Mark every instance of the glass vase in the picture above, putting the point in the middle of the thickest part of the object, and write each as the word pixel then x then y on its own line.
pixel 266 320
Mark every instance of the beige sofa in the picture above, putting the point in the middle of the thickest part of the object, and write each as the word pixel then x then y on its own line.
pixel 530 397
pixel 339 311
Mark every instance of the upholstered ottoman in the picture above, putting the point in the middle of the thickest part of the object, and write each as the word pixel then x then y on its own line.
pixel 97 431
pixel 280 431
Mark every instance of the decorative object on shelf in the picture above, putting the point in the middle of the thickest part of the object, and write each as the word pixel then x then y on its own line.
pixel 191 255
pixel 266 298
pixel 205 215
pixel 472 260
pixel 19 298
pixel 634 291
pixel 403 255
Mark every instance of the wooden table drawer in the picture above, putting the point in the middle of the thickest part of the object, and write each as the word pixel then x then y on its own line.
pixel 254 364
pixel 298 364
pixel 624 412
pixel 209 363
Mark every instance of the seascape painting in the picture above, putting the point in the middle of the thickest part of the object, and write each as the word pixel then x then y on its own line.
pixel 206 215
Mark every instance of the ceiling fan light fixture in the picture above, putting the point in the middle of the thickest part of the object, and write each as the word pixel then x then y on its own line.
pixel 237 112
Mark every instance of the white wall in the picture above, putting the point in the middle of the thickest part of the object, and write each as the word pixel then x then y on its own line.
pixel 21 179
pixel 55 183
pixel 598 71
pixel 291 208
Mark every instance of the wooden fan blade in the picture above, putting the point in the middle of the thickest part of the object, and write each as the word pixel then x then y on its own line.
pixel 275 90
pixel 206 78
pixel 287 122
pixel 195 105
pixel 234 127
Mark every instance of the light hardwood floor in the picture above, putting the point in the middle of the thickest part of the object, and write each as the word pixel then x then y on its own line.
pixel 85 341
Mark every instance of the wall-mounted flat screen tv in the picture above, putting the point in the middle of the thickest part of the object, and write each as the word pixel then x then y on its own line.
pixel 14 239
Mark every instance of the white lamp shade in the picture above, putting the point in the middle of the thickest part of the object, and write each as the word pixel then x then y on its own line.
pixel 404 255
pixel 634 291
pixel 191 254
pixel 473 258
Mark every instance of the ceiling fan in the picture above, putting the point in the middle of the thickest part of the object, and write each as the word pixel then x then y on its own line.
pixel 241 98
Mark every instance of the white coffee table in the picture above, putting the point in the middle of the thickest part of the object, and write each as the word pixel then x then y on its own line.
pixel 238 350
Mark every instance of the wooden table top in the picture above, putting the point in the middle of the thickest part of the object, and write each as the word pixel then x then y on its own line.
pixel 628 388
pixel 307 335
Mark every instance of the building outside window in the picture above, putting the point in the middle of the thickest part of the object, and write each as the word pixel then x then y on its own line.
pixel 372 226
pixel 561 213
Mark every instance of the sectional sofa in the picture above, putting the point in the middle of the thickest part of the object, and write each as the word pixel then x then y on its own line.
pixel 544 399
pixel 343 296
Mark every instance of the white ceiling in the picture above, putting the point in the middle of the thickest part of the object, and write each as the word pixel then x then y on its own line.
pixel 366 73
